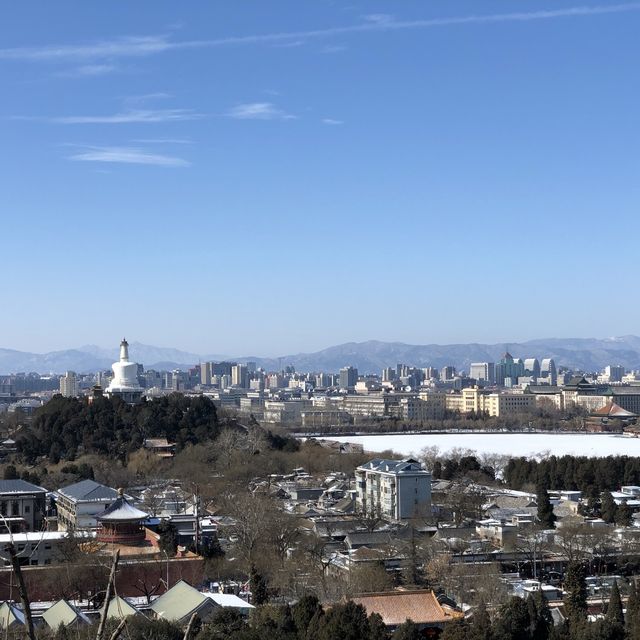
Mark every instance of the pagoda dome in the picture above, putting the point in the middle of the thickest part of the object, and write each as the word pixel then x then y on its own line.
pixel 121 523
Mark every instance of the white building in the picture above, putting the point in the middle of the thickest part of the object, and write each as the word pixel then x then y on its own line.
pixel 394 489
pixel 124 383
pixel 79 504
pixel 69 385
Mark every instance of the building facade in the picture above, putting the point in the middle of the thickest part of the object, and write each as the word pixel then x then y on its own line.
pixel 394 489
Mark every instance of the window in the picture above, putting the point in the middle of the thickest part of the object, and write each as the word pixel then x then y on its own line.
pixel 27 508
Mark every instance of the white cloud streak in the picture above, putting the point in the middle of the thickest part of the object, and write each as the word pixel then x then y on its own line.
pixel 127 155
pixel 132 116
pixel 88 70
pixel 258 111
pixel 332 121
pixel 149 45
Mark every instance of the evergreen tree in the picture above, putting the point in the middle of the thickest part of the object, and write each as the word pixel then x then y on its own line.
pixel 458 630
pixel 545 509
pixel 168 541
pixel 303 612
pixel 259 593
pixel 408 630
pixel 632 621
pixel 540 621
pixel 377 628
pixel 614 616
pixel 10 472
pixel 575 585
pixel 480 628
pixel 609 507
pixel 346 621
pixel 513 620
pixel 624 515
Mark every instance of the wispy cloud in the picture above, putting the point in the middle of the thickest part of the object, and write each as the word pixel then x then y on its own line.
pixel 258 111
pixel 119 47
pixel 146 97
pixel 88 70
pixel 163 141
pixel 132 116
pixel 149 45
pixel 127 155
pixel 332 121
pixel 333 48
pixel 378 18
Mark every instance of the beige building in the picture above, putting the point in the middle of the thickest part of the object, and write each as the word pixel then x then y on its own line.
pixel 495 404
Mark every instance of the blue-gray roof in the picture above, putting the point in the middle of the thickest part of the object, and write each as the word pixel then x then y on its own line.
pixel 88 490
pixel 19 486
pixel 393 466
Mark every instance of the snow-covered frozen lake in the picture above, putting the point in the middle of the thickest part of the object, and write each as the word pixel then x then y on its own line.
pixel 511 444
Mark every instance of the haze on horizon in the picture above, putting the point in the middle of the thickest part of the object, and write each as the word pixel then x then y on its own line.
pixel 270 180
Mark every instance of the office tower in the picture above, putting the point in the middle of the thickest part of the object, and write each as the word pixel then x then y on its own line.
pixel 240 376
pixel 483 371
pixel 69 384
pixel 348 377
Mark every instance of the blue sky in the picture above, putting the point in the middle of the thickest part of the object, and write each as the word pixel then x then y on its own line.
pixel 273 177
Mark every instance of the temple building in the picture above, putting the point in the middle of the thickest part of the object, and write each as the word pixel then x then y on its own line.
pixel 121 523
pixel 125 383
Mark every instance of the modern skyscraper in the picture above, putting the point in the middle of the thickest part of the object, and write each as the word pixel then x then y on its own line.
pixel 483 371
pixel 348 377
pixel 69 385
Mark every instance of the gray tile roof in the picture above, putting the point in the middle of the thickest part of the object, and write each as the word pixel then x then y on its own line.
pixel 393 466
pixel 88 490
pixel 19 486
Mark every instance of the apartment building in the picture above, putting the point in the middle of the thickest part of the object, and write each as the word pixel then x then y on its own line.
pixel 395 489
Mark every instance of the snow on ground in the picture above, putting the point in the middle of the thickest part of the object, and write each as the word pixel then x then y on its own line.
pixel 511 444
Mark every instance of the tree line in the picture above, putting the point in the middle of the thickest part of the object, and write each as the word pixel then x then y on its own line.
pixel 592 476
pixel 66 427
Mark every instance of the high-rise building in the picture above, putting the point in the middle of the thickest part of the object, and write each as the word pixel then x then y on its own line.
pixel 532 368
pixel 509 370
pixel 483 371
pixel 69 385
pixel 548 371
pixel 614 372
pixel 348 377
pixel 240 376
pixel 205 373
pixel 447 373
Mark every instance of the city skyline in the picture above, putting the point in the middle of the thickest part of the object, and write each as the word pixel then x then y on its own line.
pixel 283 180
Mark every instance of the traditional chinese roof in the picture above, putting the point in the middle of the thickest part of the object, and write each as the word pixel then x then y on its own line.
pixel 122 511
pixel 396 607
pixel 613 410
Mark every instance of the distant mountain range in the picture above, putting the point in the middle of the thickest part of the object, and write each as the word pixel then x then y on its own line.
pixel 587 354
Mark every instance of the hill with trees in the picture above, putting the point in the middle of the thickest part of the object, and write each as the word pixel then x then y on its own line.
pixel 67 427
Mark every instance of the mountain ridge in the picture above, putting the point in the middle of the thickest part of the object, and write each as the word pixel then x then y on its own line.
pixel 588 354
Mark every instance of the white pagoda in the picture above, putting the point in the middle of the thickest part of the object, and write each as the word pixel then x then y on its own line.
pixel 124 383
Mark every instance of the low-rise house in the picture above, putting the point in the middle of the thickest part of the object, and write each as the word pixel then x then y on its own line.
pixel 396 607
pixel 22 506
pixel 181 602
pixel 66 614
pixel 10 616
pixel 231 601
pixel 79 504
pixel 35 548
pixel 119 608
